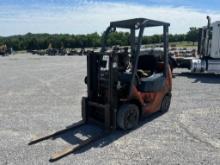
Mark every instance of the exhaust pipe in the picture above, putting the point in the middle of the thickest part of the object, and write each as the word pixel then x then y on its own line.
pixel 209 22
pixel 207 35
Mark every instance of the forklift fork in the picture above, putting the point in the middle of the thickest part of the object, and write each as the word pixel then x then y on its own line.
pixel 53 135
pixel 70 149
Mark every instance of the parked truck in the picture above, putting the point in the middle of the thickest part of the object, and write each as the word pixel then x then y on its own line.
pixel 208 59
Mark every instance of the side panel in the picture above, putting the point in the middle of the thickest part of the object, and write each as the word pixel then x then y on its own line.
pixel 218 39
pixel 215 42
pixel 151 101
pixel 213 66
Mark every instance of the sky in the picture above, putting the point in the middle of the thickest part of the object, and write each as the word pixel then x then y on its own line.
pixel 88 16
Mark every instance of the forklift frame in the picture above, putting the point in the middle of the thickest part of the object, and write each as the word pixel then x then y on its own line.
pixel 94 63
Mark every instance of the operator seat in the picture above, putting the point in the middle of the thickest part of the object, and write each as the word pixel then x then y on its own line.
pixel 153 80
pixel 146 65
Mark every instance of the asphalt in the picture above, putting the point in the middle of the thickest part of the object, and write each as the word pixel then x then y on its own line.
pixel 39 95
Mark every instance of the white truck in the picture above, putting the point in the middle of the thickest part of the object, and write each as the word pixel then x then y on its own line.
pixel 208 59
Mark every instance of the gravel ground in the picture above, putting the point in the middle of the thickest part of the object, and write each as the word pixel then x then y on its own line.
pixel 42 94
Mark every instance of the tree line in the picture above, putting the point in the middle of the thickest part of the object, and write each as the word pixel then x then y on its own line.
pixel 31 41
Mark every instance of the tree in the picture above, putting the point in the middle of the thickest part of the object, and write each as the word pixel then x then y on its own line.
pixel 41 41
pixel 192 35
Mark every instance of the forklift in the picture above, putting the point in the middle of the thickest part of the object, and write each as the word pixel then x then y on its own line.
pixel 123 84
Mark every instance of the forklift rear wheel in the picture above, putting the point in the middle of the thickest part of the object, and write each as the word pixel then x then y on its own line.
pixel 128 116
pixel 165 105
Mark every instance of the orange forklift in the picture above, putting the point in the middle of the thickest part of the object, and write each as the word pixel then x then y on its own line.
pixel 124 84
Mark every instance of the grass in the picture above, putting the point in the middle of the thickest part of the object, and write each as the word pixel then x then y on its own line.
pixel 184 44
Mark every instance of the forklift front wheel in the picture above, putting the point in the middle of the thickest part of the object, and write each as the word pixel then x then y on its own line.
pixel 128 116
pixel 165 105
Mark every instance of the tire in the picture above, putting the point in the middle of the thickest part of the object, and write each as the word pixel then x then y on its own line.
pixel 165 104
pixel 128 116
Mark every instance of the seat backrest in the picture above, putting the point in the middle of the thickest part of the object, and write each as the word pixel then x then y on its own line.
pixel 154 83
pixel 147 62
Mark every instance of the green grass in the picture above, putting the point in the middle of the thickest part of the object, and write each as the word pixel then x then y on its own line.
pixel 184 44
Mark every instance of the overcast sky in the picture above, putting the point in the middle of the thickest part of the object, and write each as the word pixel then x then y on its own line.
pixel 87 16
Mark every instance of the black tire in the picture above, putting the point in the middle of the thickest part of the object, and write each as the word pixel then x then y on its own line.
pixel 165 104
pixel 128 116
pixel 86 80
